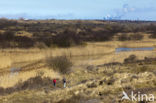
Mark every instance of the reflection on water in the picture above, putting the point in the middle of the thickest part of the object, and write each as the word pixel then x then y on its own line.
pixel 14 72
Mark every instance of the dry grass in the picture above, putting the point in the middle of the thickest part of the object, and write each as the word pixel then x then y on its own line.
pixel 10 79
pixel 80 81
pixel 97 49
pixel 93 54
pixel 5 61
pixel 122 80
pixel 104 83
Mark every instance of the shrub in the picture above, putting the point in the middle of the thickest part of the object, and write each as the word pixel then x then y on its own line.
pixel 151 27
pixel 59 63
pixel 8 35
pixel 136 37
pixel 66 39
pixel 130 59
pixel 153 36
pixel 40 45
pixel 101 36
pixel 123 37
pixel 24 42
pixel 47 41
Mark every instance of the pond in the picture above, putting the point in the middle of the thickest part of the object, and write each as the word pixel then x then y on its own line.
pixel 133 49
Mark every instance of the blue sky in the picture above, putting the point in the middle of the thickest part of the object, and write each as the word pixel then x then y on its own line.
pixel 80 9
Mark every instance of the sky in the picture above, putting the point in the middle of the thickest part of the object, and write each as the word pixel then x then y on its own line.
pixel 79 9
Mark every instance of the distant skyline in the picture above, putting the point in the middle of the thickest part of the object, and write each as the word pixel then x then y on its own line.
pixel 80 9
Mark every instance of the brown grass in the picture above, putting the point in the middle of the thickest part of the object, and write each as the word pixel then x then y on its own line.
pixel 107 81
pixel 93 54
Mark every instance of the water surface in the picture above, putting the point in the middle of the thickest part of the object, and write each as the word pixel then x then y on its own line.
pixel 134 49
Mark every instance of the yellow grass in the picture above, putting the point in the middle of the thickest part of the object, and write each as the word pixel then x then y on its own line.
pixel 95 53
pixel 10 79
pixel 5 61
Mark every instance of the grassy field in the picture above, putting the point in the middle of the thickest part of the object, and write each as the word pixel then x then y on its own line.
pixel 32 61
pixel 99 74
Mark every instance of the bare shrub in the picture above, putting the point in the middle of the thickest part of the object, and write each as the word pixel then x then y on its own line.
pixel 153 36
pixel 9 35
pixel 24 42
pixel 101 36
pixel 59 63
pixel 136 37
pixel 67 39
pixel 130 59
pixel 40 45
pixel 123 37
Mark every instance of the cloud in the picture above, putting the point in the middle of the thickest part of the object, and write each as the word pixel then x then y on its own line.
pixel 133 12
pixel 119 13
pixel 127 8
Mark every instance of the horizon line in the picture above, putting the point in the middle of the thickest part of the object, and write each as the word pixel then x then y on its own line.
pixel 25 19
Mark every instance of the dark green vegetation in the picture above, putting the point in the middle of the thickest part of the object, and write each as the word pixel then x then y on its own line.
pixel 53 33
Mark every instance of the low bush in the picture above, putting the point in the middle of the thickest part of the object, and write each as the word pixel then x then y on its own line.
pixel 123 37
pixel 130 59
pixel 40 45
pixel 153 36
pixel 101 36
pixel 67 39
pixel 7 36
pixel 135 36
pixel 61 64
